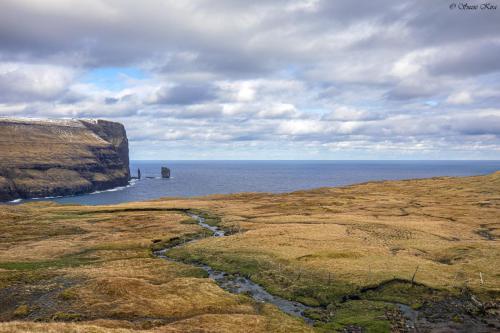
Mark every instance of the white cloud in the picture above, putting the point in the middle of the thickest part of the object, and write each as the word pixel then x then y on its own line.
pixel 460 98
pixel 346 113
pixel 279 110
pixel 411 63
pixel 301 127
pixel 245 92
pixel 28 82
pixel 305 73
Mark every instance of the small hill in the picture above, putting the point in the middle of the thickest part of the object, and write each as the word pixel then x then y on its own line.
pixel 40 158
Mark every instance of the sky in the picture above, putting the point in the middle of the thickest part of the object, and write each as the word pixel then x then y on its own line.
pixel 281 79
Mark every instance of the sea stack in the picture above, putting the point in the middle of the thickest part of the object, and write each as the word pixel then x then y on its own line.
pixel 165 172
pixel 40 158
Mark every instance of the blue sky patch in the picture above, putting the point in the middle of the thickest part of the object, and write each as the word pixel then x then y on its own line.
pixel 112 78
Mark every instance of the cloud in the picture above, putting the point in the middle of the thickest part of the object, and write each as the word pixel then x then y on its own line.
pixel 184 94
pixel 469 59
pixel 20 82
pixel 312 75
pixel 411 90
pixel 459 98
pixel 301 127
pixel 279 110
pixel 480 125
pixel 347 113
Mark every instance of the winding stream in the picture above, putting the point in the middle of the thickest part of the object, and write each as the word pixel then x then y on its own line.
pixel 238 284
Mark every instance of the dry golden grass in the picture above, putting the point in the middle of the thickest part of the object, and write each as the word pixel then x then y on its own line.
pixel 208 323
pixel 94 265
pixel 365 234
pixel 313 246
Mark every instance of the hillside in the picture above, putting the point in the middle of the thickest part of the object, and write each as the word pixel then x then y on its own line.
pixel 40 158
pixel 401 256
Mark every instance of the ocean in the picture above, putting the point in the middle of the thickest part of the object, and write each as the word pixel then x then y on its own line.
pixel 198 178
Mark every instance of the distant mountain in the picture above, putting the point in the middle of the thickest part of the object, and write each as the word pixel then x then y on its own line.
pixel 40 158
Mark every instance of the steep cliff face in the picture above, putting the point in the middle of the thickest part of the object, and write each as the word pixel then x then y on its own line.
pixel 40 158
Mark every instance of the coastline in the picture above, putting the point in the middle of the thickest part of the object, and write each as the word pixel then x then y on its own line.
pixel 131 183
pixel 181 185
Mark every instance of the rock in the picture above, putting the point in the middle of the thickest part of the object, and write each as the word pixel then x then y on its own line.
pixel 165 172
pixel 40 158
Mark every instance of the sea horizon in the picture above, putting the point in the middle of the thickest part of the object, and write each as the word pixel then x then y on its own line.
pixel 193 178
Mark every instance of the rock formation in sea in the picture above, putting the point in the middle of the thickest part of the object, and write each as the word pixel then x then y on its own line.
pixel 165 172
pixel 40 158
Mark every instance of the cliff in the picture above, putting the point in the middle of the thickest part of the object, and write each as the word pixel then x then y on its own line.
pixel 40 158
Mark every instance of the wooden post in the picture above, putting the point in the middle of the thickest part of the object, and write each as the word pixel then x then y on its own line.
pixel 481 276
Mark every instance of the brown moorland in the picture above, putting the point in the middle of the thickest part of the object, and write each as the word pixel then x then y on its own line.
pixel 354 253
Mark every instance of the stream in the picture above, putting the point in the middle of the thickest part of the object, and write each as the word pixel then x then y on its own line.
pixel 239 284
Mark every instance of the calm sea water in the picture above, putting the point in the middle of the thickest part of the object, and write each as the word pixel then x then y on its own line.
pixel 196 178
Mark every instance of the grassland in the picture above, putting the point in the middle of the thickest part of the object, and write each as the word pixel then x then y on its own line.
pixel 79 269
pixel 354 253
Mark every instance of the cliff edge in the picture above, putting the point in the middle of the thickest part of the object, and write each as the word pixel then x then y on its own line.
pixel 40 158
